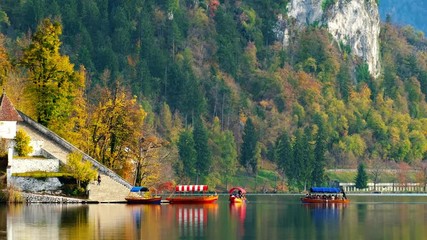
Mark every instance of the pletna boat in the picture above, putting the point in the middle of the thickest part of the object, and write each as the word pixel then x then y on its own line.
pixel 325 195
pixel 192 194
pixel 237 195
pixel 142 195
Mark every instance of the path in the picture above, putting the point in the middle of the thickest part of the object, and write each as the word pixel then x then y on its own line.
pixel 108 191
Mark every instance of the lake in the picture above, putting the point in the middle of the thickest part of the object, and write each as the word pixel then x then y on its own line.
pixel 263 217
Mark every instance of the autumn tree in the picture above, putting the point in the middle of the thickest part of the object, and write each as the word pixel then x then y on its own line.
pixel 114 123
pixel 54 83
pixel 81 170
pixel 145 153
pixel 22 143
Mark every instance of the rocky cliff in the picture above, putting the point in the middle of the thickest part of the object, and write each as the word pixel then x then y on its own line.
pixel 353 22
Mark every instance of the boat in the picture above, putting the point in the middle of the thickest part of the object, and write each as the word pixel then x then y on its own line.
pixel 142 195
pixel 325 195
pixel 192 194
pixel 237 195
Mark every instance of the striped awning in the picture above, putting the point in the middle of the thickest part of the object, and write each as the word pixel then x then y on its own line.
pixel 191 188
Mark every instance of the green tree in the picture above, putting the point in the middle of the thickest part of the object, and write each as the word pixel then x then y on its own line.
pixel 187 154
pixel 81 170
pixel 53 81
pixel 285 157
pixel 203 153
pixel 361 180
pixel 22 143
pixel 320 148
pixel 224 151
pixel 248 151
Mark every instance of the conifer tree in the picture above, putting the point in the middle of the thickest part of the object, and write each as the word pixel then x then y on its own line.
pixel 318 175
pixel 361 180
pixel 187 154
pixel 285 157
pixel 203 153
pixel 248 151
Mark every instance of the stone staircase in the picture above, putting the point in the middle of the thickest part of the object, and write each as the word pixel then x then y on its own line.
pixel 108 191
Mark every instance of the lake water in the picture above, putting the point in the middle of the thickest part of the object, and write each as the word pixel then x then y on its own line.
pixel 264 217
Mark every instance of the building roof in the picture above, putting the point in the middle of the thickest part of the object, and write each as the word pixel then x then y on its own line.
pixel 7 111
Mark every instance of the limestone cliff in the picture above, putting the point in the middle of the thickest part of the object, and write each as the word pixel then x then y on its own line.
pixel 353 22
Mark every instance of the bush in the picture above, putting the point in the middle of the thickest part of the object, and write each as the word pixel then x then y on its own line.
pixel 10 195
pixel 22 146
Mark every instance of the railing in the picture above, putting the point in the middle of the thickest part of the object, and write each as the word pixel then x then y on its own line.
pixel 70 148
pixel 385 187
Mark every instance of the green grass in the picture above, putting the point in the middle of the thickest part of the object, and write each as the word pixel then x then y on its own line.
pixel 41 174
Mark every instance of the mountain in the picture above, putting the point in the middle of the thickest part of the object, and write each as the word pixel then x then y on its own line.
pixel 320 82
pixel 405 12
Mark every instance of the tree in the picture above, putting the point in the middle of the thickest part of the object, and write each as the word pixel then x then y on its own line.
pixel 145 153
pixel 248 151
pixel 22 143
pixel 224 151
pixel 361 180
pixel 81 170
pixel 285 157
pixel 203 153
pixel 53 81
pixel 187 154
pixel 320 148
pixel 114 123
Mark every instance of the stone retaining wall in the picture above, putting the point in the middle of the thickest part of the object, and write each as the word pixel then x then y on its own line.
pixel 28 184
pixel 39 198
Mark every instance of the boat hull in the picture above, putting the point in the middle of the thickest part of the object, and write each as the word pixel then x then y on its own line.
pixel 237 200
pixel 140 200
pixel 192 199
pixel 321 200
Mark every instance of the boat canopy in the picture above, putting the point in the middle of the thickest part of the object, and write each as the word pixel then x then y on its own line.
pixel 237 189
pixel 191 188
pixel 139 189
pixel 325 190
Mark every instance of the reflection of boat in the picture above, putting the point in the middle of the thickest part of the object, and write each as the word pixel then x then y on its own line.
pixel 237 195
pixel 325 195
pixel 191 194
pixel 142 195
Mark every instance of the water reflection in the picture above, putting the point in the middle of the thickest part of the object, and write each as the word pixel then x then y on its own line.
pixel 193 219
pixel 264 218
pixel 238 214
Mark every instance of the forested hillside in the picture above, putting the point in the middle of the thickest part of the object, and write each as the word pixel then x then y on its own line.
pixel 199 91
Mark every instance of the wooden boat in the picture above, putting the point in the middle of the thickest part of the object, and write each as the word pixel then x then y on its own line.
pixel 142 195
pixel 325 195
pixel 237 195
pixel 191 194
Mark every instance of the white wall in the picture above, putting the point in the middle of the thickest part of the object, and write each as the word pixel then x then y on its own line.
pixel 8 129
pixel 21 165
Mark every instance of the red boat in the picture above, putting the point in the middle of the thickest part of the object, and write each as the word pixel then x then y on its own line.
pixel 325 195
pixel 237 195
pixel 141 195
pixel 192 194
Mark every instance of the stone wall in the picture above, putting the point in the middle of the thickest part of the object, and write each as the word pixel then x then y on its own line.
pixel 40 198
pixel 28 184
